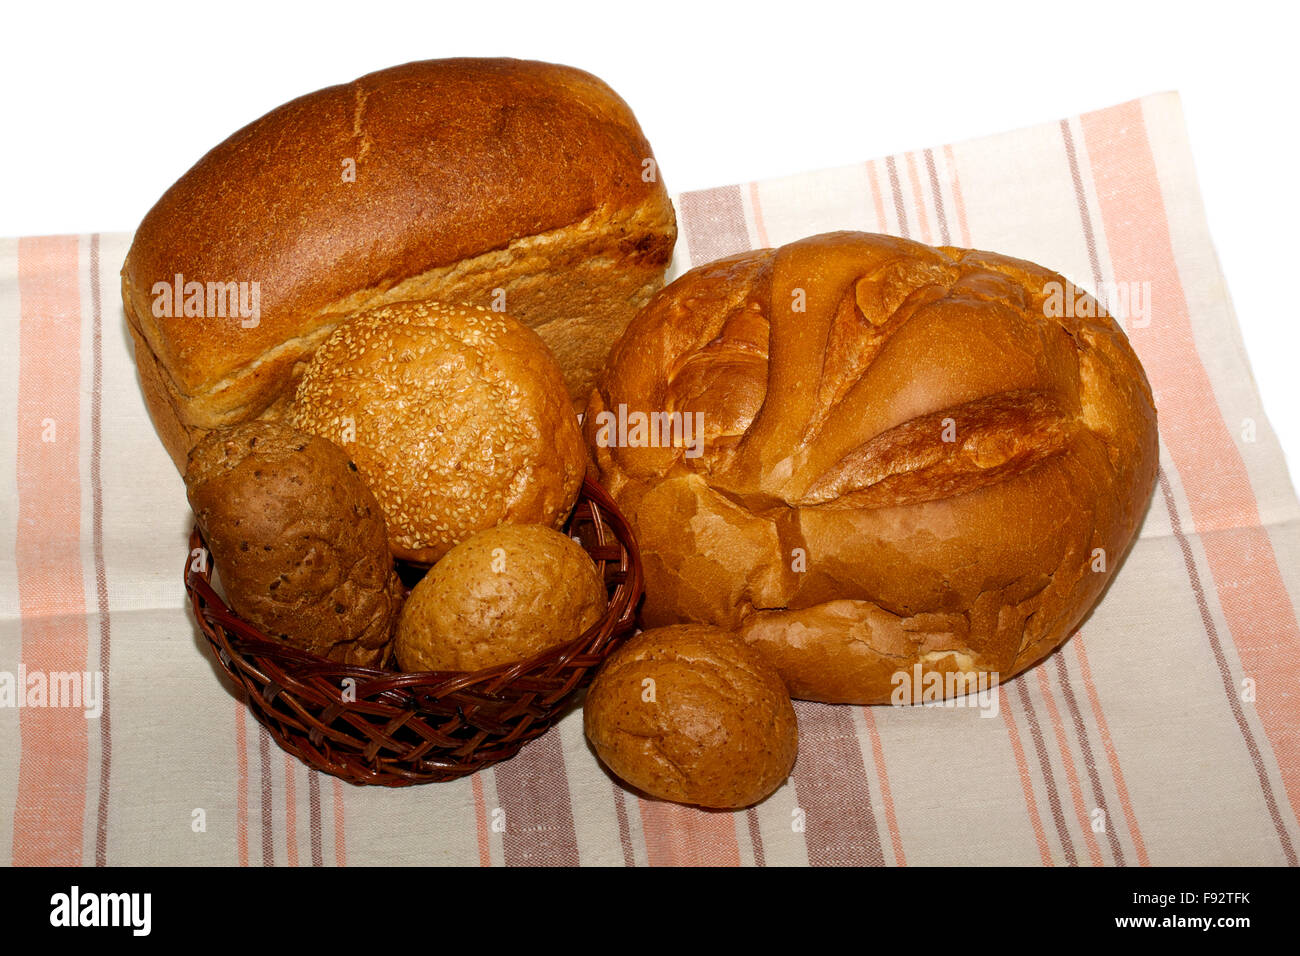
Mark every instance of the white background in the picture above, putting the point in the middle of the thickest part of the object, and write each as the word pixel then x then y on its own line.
pixel 107 104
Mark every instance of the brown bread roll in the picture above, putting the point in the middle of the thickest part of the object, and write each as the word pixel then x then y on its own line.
pixel 456 417
pixel 297 539
pixel 506 183
pixel 693 715
pixel 504 595
pixel 897 457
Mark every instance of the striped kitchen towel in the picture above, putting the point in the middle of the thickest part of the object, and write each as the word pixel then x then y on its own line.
pixel 1167 731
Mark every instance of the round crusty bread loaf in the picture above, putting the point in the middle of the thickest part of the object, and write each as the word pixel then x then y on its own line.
pixel 693 715
pixel 902 459
pixel 492 181
pixel 503 595
pixel 298 540
pixel 456 416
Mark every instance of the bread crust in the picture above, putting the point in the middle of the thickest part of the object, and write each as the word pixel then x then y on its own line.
pixel 298 540
pixel 828 516
pixel 471 176
pixel 693 715
pixel 503 595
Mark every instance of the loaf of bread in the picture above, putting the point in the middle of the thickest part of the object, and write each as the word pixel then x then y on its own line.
pixel 298 540
pixel 510 184
pixel 693 715
pixel 876 459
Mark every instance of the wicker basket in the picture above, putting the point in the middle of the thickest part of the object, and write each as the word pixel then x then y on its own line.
pixel 417 728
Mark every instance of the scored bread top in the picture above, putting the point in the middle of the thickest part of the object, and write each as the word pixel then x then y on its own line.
pixel 867 345
pixel 451 159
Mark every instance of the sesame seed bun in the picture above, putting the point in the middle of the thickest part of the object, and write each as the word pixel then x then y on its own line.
pixel 456 416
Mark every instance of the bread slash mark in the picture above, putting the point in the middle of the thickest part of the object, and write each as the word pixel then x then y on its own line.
pixel 947 453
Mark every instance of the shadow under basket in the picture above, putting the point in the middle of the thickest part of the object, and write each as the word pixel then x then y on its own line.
pixel 403 729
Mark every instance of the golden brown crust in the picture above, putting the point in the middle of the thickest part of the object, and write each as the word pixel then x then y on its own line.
pixel 693 715
pixel 503 595
pixel 456 416
pixel 297 539
pixel 920 466
pixel 471 175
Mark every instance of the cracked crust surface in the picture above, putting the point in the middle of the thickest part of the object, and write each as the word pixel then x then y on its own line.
pixel 298 540
pixel 693 715
pixel 905 459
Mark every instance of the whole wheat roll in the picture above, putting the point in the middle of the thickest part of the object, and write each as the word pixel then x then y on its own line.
pixel 903 459
pixel 693 715
pixel 299 541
